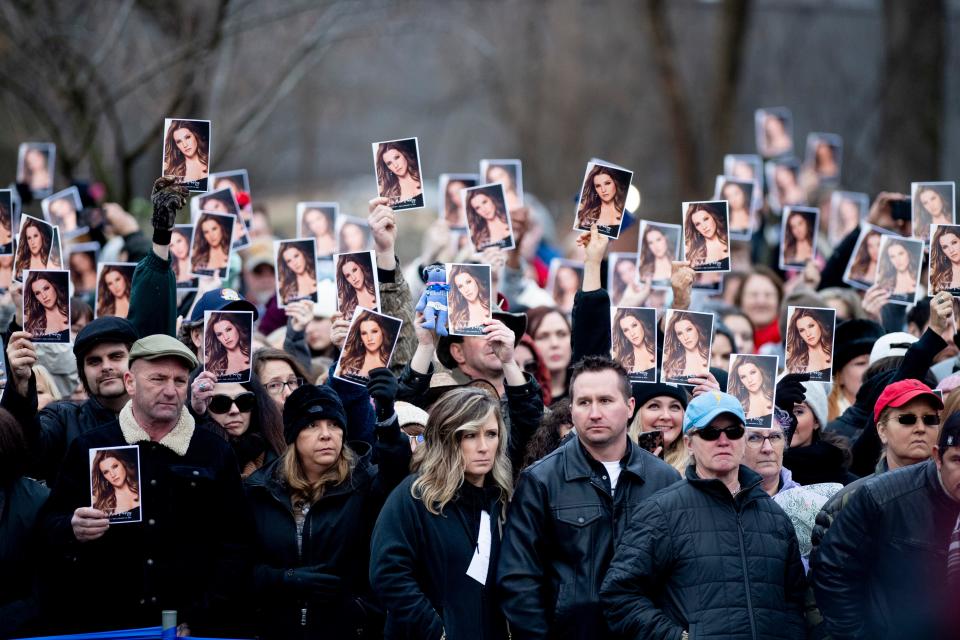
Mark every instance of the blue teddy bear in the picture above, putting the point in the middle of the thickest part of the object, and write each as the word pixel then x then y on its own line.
pixel 433 300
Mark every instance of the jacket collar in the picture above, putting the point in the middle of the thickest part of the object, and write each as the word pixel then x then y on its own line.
pixel 750 484
pixel 576 460
pixel 268 477
pixel 177 440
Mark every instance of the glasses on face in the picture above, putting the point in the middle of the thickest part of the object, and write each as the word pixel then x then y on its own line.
pixel 910 419
pixel 275 388
pixel 220 404
pixel 713 433
pixel 755 440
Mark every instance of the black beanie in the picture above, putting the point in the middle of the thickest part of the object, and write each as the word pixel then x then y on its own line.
pixel 644 392
pixel 854 338
pixel 309 403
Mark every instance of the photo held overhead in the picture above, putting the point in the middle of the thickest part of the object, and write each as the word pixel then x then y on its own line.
pixel 353 234
pixel 228 344
pixel 633 342
pixel 861 270
pixel 398 172
pixel 180 250
pixel 470 298
pixel 603 199
pixel 296 269
pixel 741 197
pixel 622 275
pixel 63 210
pixel 564 280
pixel 318 220
pixel 114 285
pixel 34 245
pixel 706 235
pixel 82 260
pixel 488 218
pixel 687 341
pixel 46 305
pixel 824 156
pixel 508 173
pixel 798 236
pixel 211 246
pixel 658 248
pixel 898 268
pixel 452 209
pixel 357 282
pixel 933 203
pixel 773 128
pixel 186 151
pixel 35 167
pixel 809 342
pixel 847 210
pixel 370 343
pixel 944 272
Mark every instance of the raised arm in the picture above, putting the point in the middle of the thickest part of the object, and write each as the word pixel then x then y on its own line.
pixel 395 297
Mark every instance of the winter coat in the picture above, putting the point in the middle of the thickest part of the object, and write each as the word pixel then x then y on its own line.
pixel 419 562
pixel 562 527
pixel 336 540
pixel 697 558
pixel 396 301
pixel 20 502
pixel 817 463
pixel 881 568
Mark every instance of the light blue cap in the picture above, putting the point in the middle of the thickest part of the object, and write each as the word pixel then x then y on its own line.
pixel 705 407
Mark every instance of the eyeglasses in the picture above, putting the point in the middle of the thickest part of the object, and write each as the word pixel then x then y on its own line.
pixel 275 388
pixel 220 404
pixel 755 440
pixel 712 433
pixel 910 419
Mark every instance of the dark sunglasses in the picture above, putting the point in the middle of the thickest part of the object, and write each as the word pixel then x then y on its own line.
pixel 712 433
pixel 221 404
pixel 930 419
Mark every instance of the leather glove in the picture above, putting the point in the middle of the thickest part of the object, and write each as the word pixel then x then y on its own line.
pixel 382 387
pixel 168 197
pixel 790 392
pixel 308 582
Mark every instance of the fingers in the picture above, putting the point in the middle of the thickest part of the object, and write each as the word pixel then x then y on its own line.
pixel 89 523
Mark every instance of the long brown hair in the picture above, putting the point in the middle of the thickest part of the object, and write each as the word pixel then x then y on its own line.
pixel 478 226
pixel 388 181
pixel 673 351
pixel 458 304
pixel 23 251
pixel 647 260
pixel 35 316
pixel 288 279
pixel 797 348
pixel 201 248
pixel 696 243
pixel 215 353
pixel 861 261
pixel 107 302
pixel 738 390
pixel 622 349
pixel 887 273
pixel 789 241
pixel 346 294
pixel 104 495
pixel 924 217
pixel 176 162
pixel 590 202
pixel 354 352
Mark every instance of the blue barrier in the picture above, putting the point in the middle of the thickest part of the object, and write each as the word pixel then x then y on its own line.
pixel 147 633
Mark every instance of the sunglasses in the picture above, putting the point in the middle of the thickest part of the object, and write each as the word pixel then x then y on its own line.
pixel 712 433
pixel 220 404
pixel 930 419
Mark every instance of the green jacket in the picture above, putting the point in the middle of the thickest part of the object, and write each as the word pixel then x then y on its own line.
pixel 153 297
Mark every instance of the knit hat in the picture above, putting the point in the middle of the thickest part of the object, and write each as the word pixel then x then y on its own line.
pixel 106 329
pixel 854 338
pixel 892 344
pixel 643 393
pixel 409 414
pixel 307 404
pixel 815 397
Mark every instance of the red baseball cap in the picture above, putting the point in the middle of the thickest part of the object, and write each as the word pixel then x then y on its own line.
pixel 902 392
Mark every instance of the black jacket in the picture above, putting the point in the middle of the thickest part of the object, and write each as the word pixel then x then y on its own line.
pixel 419 562
pixel 820 461
pixel 336 540
pixel 20 502
pixel 881 568
pixel 562 527
pixel 697 558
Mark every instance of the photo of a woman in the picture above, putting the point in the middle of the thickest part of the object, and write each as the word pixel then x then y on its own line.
pixel 739 196
pixel 686 345
pixel 61 209
pixel 862 269
pixel 798 228
pixel 847 209
pixel 83 267
pixel 932 204
pixel 113 289
pixel 180 254
pixel 487 217
pixel 508 173
pixel 33 245
pixel 633 341
pixel 899 268
pixel 398 173
pixel 823 155
pixel 603 198
pixel 809 342
pixel 659 247
pixel 210 253
pixel 783 176
pixel 564 280
pixel 227 344
pixel 357 284
pixel 743 166
pixel 46 306
pixel 451 184
pixel 296 271
pixel 317 220
pixel 115 483
pixel 369 345
pixel 621 275
pixel 6 222
pixel 220 201
pixel 186 152
pixel 469 298
pixel 706 236
pixel 774 131
pixel 35 164
pixel 752 381
pixel 945 260
pixel 353 234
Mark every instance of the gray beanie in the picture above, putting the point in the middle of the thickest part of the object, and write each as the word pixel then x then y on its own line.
pixel 815 397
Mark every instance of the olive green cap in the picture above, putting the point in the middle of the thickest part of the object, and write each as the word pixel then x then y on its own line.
pixel 162 346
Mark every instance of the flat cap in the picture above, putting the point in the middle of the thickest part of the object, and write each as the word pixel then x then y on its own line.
pixel 162 346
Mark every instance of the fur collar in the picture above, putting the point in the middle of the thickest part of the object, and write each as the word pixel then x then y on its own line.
pixel 177 440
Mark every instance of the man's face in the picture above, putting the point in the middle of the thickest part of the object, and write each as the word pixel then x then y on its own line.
pixel 717 457
pixel 158 389
pixel 103 369
pixel 476 357
pixel 599 410
pixel 949 469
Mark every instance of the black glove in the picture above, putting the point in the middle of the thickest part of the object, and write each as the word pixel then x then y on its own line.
pixel 790 392
pixel 248 447
pixel 308 582
pixel 168 197
pixel 383 387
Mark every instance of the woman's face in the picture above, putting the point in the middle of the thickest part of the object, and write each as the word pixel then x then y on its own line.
pixel 371 335
pixel 662 413
pixel 750 376
pixel 34 240
pixel 179 246
pixel 932 202
pixel 352 236
pixel 186 142
pixel 806 424
pixel 354 274
pixel 742 331
pixel 733 194
pixel 234 421
pixel 295 260
pixel 567 279
pixel 501 175
pixel 478 449
pixel 212 232
pixel 657 243
pixel 553 341
pixel 760 300
pixel 114 472
pixel 467 286
pixel 720 352
pixel 626 271
pixel 809 330
pixel 704 223
pixel 899 257
pixel 849 212
pixel 950 244
pixel 45 293
pixel 227 334
pixel 873 246
pixel 215 204
pixel 320 444
pixel 316 222
pixel 484 206
pixel 396 162
pixel 687 334
pixel 116 284
pixel 35 160
pixel 799 227
pixel 605 187
pixel 632 330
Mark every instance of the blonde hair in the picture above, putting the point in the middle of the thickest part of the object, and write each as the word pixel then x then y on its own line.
pixel 676 454
pixel 301 489
pixel 438 463
pixel 42 373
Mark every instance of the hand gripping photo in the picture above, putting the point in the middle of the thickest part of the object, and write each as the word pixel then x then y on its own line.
pixel 115 483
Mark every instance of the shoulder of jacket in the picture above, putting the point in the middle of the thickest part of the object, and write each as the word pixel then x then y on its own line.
pixel 545 466
pixel 893 485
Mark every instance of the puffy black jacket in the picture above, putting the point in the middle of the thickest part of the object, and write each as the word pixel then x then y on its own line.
pixel 698 558
pixel 419 561
pixel 20 502
pixel 562 527
pixel 336 540
pixel 881 568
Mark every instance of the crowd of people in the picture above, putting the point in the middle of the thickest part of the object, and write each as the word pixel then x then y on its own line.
pixel 535 480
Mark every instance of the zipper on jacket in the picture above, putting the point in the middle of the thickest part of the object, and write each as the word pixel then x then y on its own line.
pixel 746 575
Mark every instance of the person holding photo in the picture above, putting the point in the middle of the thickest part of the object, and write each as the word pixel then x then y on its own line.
pixel 738 198
pixel 116 488
pixel 931 206
pixel 36 171
pixel 368 347
pixel 211 245
pixel 355 285
pixel 798 238
pixel 315 224
pixel 686 347
pixel 227 346
pixel 469 302
pixel 753 385
pixel 37 239
pixel 604 198
pixel 863 268
pixel 809 343
pixel 186 149
pixel 297 271
pixel 898 270
pixel 46 308
pixel 635 343
pixel 398 172
pixel 705 232
pixel 487 217
pixel 180 251
pixel 945 260
pixel 656 256
pixel 114 292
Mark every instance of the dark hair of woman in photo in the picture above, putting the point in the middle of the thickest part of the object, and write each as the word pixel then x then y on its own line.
pixel 465 281
pixel 698 244
pixel 864 262
pixel 819 338
pixel 932 205
pixel 6 228
pixel 656 254
pixel 211 250
pixel 44 313
pixel 219 202
pixel 898 268
pixel 355 285
pixel 674 353
pixel 798 237
pixel 291 257
pixel 36 239
pixel 554 426
pixel 489 201
pixel 114 476
pixel 388 178
pixel 178 137
pixel 364 346
pixel 604 187
pixel 180 252
pixel 623 349
pixel 747 365
pixel 114 291
pixel 227 344
pixel 944 259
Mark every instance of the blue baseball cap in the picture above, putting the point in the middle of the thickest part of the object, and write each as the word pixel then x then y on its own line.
pixel 221 300
pixel 705 407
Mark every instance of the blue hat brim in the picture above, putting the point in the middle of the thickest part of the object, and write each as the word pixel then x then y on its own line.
pixel 707 418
